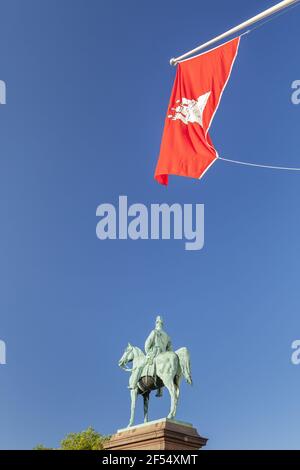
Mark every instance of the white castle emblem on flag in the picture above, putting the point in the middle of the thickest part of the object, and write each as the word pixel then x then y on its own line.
pixel 190 110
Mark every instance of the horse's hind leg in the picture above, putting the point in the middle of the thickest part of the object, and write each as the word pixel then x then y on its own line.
pixel 146 405
pixel 173 393
pixel 177 393
pixel 133 394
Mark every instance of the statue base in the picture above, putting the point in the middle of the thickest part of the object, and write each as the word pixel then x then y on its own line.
pixel 163 434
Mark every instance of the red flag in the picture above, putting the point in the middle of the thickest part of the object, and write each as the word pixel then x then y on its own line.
pixel 186 147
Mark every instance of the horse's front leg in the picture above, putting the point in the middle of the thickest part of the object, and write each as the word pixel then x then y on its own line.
pixel 146 405
pixel 133 394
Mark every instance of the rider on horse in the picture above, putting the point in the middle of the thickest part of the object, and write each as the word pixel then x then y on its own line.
pixel 157 342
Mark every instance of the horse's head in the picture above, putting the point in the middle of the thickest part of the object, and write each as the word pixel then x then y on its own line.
pixel 128 356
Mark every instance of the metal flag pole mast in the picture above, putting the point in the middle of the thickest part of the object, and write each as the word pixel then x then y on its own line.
pixel 261 16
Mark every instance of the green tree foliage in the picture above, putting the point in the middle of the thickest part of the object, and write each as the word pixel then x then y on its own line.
pixel 84 440
pixel 41 447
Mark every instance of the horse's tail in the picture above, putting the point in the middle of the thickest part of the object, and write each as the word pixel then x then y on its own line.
pixel 185 364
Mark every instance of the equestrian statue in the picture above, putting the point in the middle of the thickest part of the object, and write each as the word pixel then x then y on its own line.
pixel 159 367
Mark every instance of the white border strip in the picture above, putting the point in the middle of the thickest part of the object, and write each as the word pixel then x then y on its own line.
pixel 220 97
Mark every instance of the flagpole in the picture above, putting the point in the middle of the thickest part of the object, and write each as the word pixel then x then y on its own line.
pixel 264 14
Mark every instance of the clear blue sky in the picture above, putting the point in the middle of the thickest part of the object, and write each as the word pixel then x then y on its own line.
pixel 87 89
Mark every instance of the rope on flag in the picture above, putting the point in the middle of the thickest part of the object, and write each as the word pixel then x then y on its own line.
pixel 270 167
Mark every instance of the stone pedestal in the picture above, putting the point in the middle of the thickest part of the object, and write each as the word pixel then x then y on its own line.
pixel 163 434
